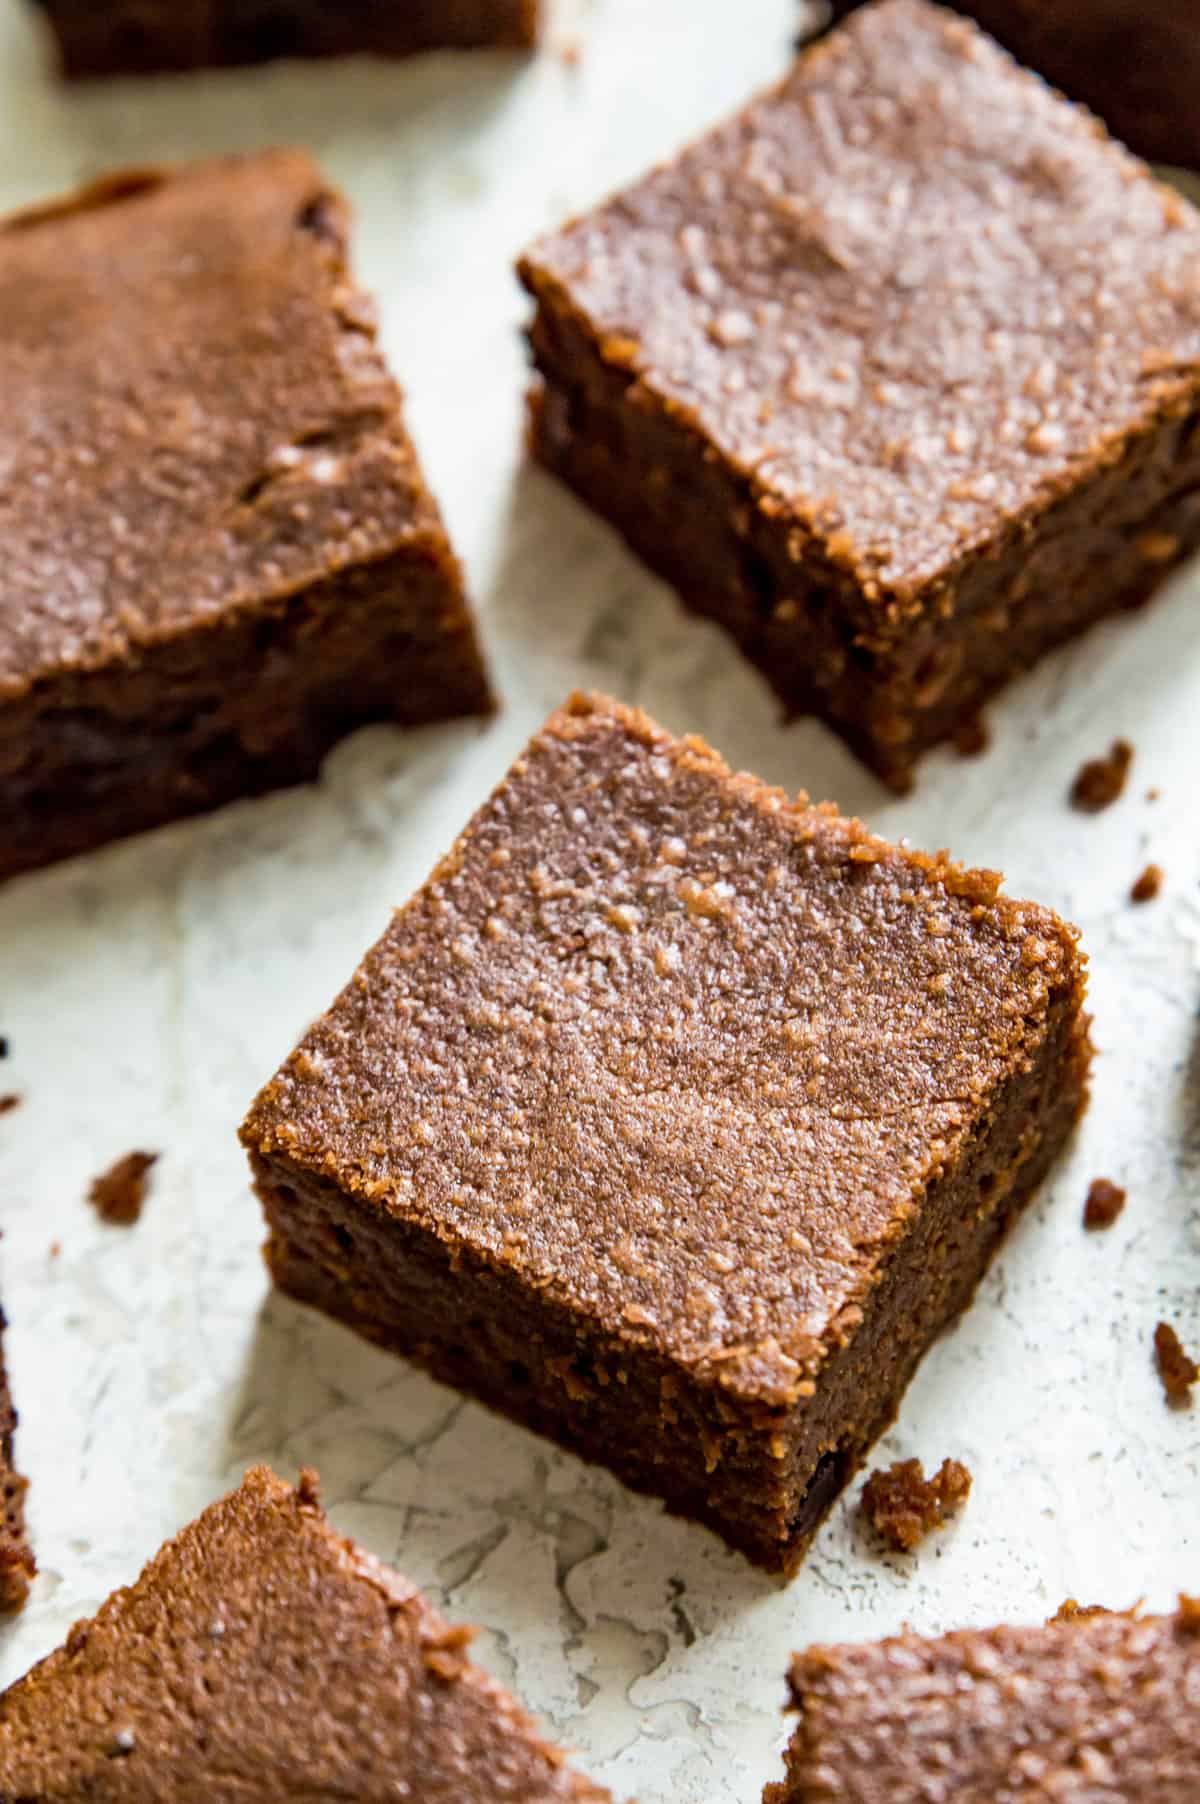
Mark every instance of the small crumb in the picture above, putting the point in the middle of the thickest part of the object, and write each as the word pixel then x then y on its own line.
pixel 971 737
pixel 1148 885
pixel 1101 781
pixel 56 1249
pixel 1177 1371
pixel 570 53
pixel 309 1488
pixel 1152 795
pixel 903 1506
pixel 1070 1611
pixel 1105 1202
pixel 3 1046
pixel 8 1104
pixel 119 1196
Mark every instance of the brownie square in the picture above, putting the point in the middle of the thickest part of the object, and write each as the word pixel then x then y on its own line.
pixel 220 551
pixel 138 37
pixel 17 1565
pixel 674 1118
pixel 1092 1706
pixel 260 1657
pixel 896 375
pixel 1135 62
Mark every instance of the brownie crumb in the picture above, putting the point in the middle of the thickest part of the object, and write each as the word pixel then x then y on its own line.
pixel 903 1506
pixel 1101 781
pixel 309 1488
pixel 1152 795
pixel 3 1046
pixel 8 1103
pixel 18 1569
pixel 1188 1620
pixel 56 1249
pixel 971 737
pixel 1071 1611
pixel 1105 1201
pixel 1148 885
pixel 119 1196
pixel 1177 1371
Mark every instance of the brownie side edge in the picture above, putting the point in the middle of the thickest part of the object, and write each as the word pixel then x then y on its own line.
pixel 17 1564
pixel 141 37
pixel 238 707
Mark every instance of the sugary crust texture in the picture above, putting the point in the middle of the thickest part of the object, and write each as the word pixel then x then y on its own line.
pixel 676 1050
pixel 1093 1706
pixel 260 1656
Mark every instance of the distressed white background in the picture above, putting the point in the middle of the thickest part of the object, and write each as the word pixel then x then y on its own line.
pixel 147 991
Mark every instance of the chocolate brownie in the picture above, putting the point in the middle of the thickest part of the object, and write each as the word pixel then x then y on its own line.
pixel 260 1657
pixel 896 375
pixel 674 1118
pixel 1092 1706
pixel 220 552
pixel 109 37
pixel 1135 62
pixel 17 1565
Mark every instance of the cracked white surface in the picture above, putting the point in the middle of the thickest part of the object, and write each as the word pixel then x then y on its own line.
pixel 148 990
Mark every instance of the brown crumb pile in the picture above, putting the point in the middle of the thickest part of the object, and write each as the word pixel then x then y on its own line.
pixel 903 1506
pixel 1177 1371
pixel 1105 1202
pixel 8 1103
pixel 1148 885
pixel 1099 782
pixel 118 1197
pixel 1070 1611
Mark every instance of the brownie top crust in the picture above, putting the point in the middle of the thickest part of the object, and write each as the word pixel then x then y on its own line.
pixel 911 294
pixel 1095 1707
pixel 197 417
pixel 261 1657
pixel 675 1049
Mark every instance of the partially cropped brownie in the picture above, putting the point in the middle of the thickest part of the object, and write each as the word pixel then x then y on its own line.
pixel 261 1657
pixel 1096 1707
pixel 17 1566
pixel 220 554
pixel 1135 62
pixel 136 37
pixel 674 1118
pixel 896 375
